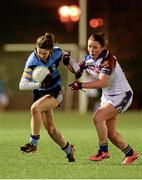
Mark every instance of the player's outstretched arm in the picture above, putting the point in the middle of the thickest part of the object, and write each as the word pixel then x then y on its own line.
pixel 71 64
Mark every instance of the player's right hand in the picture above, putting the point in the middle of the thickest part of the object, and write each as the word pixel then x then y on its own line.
pixel 47 81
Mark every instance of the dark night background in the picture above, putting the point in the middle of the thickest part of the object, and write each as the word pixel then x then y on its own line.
pixel 22 21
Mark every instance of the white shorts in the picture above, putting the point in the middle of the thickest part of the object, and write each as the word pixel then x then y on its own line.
pixel 120 101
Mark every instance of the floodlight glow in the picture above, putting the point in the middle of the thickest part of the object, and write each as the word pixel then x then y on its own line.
pixel 74 11
pixel 69 13
pixel 64 11
pixel 96 22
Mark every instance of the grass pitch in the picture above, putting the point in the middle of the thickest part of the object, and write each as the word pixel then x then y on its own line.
pixel 50 162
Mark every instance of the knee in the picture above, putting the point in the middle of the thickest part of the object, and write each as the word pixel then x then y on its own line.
pixel 34 109
pixel 97 118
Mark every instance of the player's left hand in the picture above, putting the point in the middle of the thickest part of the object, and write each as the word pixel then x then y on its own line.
pixel 78 74
pixel 66 58
pixel 76 85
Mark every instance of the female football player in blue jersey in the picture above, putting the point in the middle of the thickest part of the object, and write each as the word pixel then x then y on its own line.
pixel 116 96
pixel 47 95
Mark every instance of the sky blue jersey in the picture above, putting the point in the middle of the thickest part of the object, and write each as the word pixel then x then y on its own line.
pixel 52 64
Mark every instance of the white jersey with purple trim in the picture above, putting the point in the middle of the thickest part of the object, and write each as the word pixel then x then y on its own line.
pixel 107 64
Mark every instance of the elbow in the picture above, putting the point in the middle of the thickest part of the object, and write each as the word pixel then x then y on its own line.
pixel 20 86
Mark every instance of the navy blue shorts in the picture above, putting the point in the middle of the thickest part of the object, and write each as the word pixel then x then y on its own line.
pixel 37 94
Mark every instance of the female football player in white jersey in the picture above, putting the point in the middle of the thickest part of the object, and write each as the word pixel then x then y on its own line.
pixel 47 95
pixel 116 96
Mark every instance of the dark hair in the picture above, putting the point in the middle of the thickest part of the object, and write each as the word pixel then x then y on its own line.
pixel 99 36
pixel 46 41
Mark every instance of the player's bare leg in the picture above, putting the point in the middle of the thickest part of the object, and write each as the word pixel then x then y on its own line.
pixel 55 134
pixel 36 109
pixel 43 104
pixel 49 124
pixel 43 110
pixel 40 106
pixel 104 113
pixel 105 120
pixel 117 139
pixel 100 118
pixel 114 136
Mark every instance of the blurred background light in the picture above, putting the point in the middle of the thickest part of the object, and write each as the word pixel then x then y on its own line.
pixel 69 13
pixel 64 11
pixel 75 13
pixel 96 22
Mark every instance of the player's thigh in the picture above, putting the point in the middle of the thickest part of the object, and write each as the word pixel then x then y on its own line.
pixel 105 112
pixel 46 102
